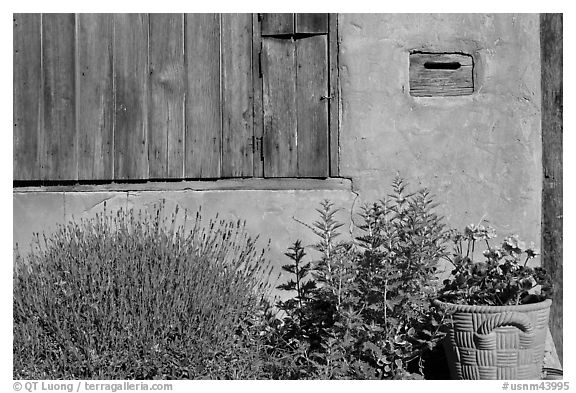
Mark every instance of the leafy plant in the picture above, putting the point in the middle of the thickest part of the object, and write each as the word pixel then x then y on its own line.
pixel 367 311
pixel 500 278
pixel 133 295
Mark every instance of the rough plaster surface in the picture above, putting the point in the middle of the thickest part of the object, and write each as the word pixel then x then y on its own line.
pixel 270 214
pixel 480 154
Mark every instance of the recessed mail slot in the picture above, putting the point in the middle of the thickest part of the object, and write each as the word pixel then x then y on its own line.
pixel 441 74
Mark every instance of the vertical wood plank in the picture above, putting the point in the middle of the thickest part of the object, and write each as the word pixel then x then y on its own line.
pixel 167 89
pixel 95 96
pixel 279 99
pixel 131 96
pixel 551 43
pixel 27 95
pixel 334 89
pixel 311 23
pixel 274 24
pixel 312 109
pixel 237 109
pixel 203 105
pixel 59 137
pixel 257 92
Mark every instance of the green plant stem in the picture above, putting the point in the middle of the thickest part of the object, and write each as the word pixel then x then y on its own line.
pixel 298 291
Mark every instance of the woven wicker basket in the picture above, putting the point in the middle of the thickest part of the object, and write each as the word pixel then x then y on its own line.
pixel 496 342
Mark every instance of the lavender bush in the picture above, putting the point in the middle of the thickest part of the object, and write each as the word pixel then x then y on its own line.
pixel 132 295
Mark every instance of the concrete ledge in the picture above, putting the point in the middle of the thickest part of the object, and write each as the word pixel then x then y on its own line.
pixel 204 185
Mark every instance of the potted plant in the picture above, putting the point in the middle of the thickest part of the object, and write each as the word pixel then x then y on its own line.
pixel 498 308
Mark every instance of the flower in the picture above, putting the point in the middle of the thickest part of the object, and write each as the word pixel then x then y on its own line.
pixel 479 232
pixel 501 279
pixel 532 251
pixel 493 254
pixel 513 244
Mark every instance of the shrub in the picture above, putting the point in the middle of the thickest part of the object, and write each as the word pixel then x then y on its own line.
pixel 133 295
pixel 363 310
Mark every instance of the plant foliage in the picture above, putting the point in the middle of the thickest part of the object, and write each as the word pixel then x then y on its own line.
pixel 362 310
pixel 501 277
pixel 133 295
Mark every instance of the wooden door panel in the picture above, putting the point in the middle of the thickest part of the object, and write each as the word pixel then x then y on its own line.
pixel 277 24
pixel 237 103
pixel 131 96
pixel 203 103
pixel 167 91
pixel 311 24
pixel 95 96
pixel 312 106
pixel 59 158
pixel 280 114
pixel 27 63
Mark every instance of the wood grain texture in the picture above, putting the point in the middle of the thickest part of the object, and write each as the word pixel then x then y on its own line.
pixel 277 24
pixel 27 105
pixel 257 94
pixel 58 137
pixel 551 43
pixel 95 97
pixel 279 100
pixel 167 90
pixel 203 105
pixel 311 24
pixel 237 103
pixel 334 89
pixel 131 96
pixel 430 74
pixel 312 109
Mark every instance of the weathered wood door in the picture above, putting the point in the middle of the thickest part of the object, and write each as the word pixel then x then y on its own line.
pixel 295 95
pixel 106 97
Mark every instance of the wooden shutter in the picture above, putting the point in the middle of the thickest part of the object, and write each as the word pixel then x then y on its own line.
pixel 288 24
pixel 131 96
pixel 203 105
pixel 277 24
pixel 95 96
pixel 237 103
pixel 312 106
pixel 311 23
pixel 138 96
pixel 58 138
pixel 27 95
pixel 280 112
pixel 167 91
pixel 295 78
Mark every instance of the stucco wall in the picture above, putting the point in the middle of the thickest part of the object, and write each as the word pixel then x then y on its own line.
pixel 271 214
pixel 480 154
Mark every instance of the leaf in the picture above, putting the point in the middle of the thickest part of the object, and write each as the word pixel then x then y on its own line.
pixel 373 347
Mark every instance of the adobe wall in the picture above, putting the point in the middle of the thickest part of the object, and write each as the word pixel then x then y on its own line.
pixel 481 153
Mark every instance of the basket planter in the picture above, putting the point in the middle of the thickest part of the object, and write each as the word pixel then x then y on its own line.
pixel 496 342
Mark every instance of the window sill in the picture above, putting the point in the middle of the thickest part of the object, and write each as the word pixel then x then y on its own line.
pixel 246 184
